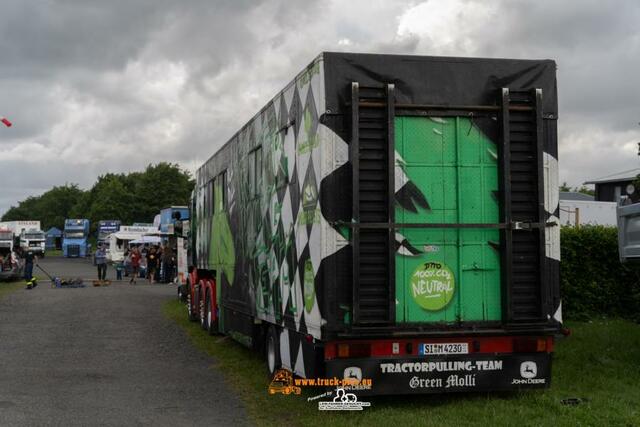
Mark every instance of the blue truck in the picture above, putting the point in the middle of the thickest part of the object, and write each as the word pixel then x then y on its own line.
pixel 75 238
pixel 106 227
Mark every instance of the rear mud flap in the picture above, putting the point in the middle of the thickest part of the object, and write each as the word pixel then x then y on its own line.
pixel 443 374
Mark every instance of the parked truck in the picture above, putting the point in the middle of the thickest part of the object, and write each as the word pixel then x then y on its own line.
pixel 75 242
pixel 107 227
pixel 11 266
pixel 28 234
pixel 393 218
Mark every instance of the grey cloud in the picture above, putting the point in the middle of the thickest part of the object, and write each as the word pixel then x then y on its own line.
pixel 95 86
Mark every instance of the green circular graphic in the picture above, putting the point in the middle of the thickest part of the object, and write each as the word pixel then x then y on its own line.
pixel 309 286
pixel 432 286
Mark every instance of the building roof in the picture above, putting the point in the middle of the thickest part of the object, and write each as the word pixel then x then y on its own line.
pixel 574 195
pixel 628 175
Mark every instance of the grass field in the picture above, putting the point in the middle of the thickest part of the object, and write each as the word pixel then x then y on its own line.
pixel 599 364
pixel 8 287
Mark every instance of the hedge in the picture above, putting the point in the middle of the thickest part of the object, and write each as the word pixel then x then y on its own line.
pixel 593 282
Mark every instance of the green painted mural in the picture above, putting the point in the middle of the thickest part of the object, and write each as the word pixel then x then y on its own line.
pixel 453 164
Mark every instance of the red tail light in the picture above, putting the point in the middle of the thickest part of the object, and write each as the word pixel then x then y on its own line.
pixel 531 345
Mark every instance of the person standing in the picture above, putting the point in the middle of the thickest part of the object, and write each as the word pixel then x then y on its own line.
pixel 167 261
pixel 135 265
pixel 152 264
pixel 29 259
pixel 100 257
pixel 142 270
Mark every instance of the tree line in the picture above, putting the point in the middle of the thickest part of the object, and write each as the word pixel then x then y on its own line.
pixel 131 197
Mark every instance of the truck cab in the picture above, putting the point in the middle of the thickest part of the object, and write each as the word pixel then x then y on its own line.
pixel 75 238
pixel 105 228
pixel 33 240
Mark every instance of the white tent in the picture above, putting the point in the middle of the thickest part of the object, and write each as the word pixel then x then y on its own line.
pixel 146 239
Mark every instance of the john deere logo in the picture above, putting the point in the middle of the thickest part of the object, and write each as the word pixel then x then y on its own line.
pixel 432 286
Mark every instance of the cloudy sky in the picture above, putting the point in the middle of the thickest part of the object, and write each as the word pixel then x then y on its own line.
pixel 96 86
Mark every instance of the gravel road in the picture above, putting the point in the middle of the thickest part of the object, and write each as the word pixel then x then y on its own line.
pixel 104 356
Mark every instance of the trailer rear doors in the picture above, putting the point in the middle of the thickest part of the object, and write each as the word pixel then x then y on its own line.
pixel 446 173
pixel 448 224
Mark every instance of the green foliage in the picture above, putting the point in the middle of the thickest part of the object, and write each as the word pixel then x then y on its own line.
pixel 582 189
pixel 51 208
pixel 593 281
pixel 132 197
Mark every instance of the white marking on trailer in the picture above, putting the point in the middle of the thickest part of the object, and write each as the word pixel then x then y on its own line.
pixel 558 314
pixel 285 357
pixel 552 238
pixel 299 366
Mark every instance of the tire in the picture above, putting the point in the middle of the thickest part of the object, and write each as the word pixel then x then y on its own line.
pixel 272 351
pixel 183 291
pixel 212 325
pixel 202 311
pixel 190 311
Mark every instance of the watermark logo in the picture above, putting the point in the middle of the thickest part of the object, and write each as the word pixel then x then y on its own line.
pixel 343 401
pixel 282 382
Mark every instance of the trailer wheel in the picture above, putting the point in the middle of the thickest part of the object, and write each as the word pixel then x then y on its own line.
pixel 183 292
pixel 202 311
pixel 212 325
pixel 190 310
pixel 272 351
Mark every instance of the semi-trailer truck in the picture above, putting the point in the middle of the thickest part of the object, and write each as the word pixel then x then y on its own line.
pixel 393 218
pixel 75 242
pixel 33 240
pixel 29 235
pixel 107 227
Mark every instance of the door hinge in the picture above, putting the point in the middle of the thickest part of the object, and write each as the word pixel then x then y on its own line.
pixel 519 225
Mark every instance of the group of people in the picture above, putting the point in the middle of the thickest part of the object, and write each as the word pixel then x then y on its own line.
pixel 154 263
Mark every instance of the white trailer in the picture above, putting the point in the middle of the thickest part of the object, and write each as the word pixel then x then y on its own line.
pixel 119 240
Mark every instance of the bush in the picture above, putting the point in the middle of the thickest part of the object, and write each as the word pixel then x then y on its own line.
pixel 593 282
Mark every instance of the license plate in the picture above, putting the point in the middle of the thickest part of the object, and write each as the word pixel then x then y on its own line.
pixel 444 348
